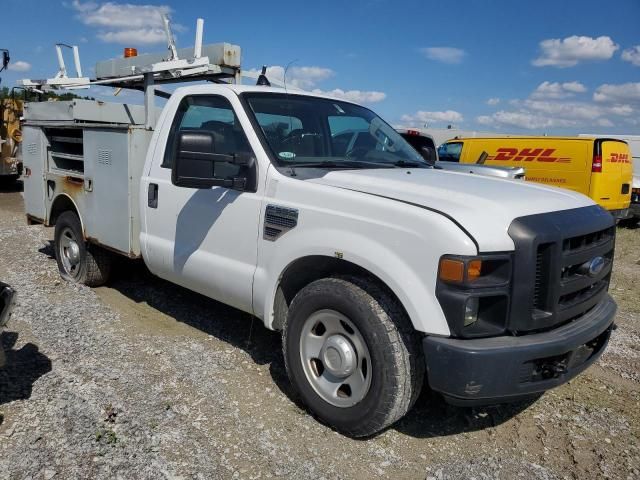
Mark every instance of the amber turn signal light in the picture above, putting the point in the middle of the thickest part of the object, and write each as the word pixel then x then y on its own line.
pixel 454 270
pixel 130 52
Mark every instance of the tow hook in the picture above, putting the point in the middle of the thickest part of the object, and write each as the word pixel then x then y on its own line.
pixel 552 370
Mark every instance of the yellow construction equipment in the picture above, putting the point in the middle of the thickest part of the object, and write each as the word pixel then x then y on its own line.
pixel 10 139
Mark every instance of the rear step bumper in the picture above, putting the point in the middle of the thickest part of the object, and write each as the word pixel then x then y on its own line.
pixel 502 369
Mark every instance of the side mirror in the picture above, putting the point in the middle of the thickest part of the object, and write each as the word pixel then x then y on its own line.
pixel 194 165
pixel 5 59
pixel 482 158
pixel 429 154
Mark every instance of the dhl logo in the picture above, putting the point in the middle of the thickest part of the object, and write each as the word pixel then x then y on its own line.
pixel 619 158
pixel 528 155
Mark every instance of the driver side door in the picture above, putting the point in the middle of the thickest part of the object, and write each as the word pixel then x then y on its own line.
pixel 204 239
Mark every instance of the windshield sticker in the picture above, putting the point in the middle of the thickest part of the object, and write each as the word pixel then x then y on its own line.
pixel 287 155
pixel 338 109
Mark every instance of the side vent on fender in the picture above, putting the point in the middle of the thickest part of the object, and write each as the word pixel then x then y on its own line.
pixel 278 221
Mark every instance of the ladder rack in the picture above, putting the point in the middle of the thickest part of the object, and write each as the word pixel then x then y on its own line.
pixel 217 63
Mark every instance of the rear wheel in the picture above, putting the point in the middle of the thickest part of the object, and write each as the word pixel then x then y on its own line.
pixel 352 354
pixel 78 261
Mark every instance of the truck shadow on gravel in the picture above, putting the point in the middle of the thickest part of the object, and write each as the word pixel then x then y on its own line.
pixel 7 186
pixel 430 417
pixel 23 367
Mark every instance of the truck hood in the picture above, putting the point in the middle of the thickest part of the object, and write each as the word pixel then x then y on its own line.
pixel 483 206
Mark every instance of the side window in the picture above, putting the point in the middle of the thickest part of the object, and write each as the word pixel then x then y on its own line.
pixel 213 114
pixel 450 152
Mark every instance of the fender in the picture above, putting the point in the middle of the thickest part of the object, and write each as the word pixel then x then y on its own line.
pixel 406 275
pixel 75 206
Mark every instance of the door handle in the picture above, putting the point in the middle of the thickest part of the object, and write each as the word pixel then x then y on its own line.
pixel 152 195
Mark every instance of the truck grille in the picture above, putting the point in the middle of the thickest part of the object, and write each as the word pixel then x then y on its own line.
pixel 578 288
pixel 567 256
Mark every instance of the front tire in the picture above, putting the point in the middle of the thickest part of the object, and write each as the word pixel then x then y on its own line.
pixel 352 354
pixel 79 262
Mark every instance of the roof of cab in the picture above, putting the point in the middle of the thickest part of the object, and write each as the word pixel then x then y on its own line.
pixel 238 89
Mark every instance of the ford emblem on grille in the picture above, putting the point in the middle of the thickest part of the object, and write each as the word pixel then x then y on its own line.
pixel 592 267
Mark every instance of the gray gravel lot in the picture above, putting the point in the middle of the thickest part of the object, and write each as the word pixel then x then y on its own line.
pixel 143 379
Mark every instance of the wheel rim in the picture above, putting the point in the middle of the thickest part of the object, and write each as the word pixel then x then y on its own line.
pixel 69 252
pixel 335 358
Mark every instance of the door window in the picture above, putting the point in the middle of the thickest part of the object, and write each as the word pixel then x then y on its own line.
pixel 212 114
pixel 450 152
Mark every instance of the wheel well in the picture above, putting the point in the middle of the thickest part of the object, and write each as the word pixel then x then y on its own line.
pixel 305 270
pixel 61 204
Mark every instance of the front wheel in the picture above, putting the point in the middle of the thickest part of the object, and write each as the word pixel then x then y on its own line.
pixel 352 354
pixel 79 262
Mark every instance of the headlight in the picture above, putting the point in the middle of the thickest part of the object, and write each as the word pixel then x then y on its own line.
pixel 474 293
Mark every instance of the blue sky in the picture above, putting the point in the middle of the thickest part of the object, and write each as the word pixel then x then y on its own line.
pixel 538 66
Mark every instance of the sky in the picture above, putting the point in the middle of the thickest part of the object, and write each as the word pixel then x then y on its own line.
pixel 543 66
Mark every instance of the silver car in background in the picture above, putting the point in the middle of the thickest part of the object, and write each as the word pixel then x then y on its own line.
pixel 425 145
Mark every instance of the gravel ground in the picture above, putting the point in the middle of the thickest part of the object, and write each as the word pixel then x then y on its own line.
pixel 143 379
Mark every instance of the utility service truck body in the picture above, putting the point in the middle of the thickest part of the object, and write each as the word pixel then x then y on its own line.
pixel 376 267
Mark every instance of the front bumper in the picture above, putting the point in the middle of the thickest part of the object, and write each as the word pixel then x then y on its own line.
pixel 501 369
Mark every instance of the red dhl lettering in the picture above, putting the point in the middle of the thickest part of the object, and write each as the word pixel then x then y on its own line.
pixel 528 155
pixel 619 158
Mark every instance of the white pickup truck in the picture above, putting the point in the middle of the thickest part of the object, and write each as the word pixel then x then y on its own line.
pixel 382 273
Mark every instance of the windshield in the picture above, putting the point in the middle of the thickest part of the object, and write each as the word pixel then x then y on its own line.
pixel 317 132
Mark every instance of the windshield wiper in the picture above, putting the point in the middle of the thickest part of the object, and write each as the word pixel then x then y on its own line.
pixel 404 163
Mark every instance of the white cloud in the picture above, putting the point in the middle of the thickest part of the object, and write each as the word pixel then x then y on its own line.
pixel 308 78
pixel 546 114
pixel 572 110
pixel 444 54
pixel 143 36
pixel 125 23
pixel 493 101
pixel 304 78
pixel 558 90
pixel 569 51
pixel 357 96
pixel 632 55
pixel 618 93
pixel 622 110
pixel 605 122
pixel 523 119
pixel 20 66
pixel 422 117
pixel 574 87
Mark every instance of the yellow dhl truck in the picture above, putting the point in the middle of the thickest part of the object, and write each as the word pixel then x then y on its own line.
pixel 600 168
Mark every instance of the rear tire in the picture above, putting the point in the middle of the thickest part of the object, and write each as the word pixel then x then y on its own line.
pixel 78 261
pixel 358 319
pixel 631 222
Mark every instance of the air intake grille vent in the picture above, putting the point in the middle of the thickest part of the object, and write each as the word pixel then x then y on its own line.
pixel 278 221
pixel 104 157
